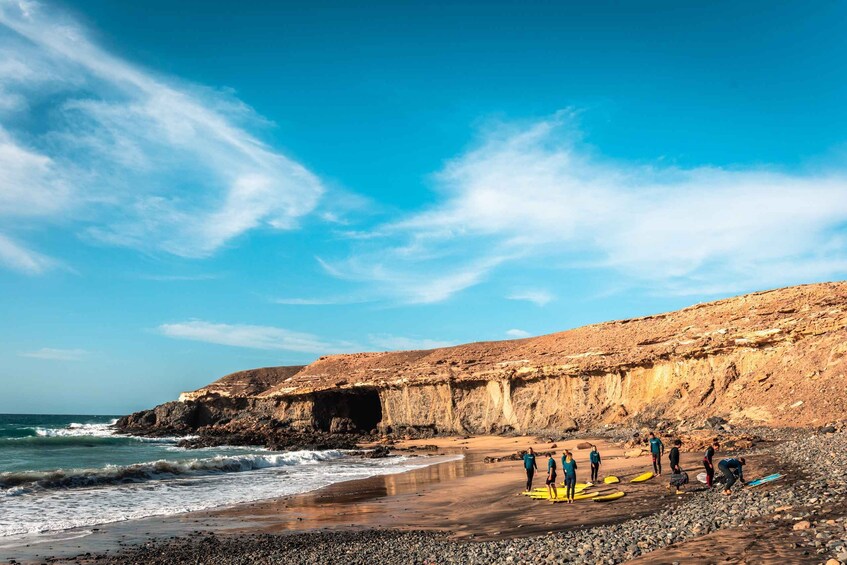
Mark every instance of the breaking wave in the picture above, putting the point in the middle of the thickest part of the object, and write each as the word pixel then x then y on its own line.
pixel 16 483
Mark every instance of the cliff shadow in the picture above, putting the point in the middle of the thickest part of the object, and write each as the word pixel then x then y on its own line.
pixel 347 411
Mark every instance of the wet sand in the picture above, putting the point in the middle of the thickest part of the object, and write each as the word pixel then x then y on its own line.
pixel 467 498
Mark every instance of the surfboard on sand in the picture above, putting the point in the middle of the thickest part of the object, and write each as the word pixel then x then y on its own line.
pixel 764 480
pixel 611 479
pixel 581 496
pixel 609 497
pixel 579 486
pixel 642 477
pixel 543 493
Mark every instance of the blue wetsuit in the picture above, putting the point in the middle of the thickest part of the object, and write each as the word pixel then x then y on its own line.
pixel 594 458
pixel 530 466
pixel 733 470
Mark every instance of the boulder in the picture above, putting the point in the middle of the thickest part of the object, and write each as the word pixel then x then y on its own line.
pixel 378 452
pixel 342 426
pixel 802 525
pixel 569 425
pixel 715 421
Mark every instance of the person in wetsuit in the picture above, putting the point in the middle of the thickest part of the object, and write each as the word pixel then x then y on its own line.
pixel 569 469
pixel 594 458
pixel 708 464
pixel 673 456
pixel 733 470
pixel 551 477
pixel 657 449
pixel 530 466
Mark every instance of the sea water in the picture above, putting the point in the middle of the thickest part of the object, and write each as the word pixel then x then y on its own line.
pixel 62 472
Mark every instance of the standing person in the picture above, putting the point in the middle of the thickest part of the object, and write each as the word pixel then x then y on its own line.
pixel 569 469
pixel 733 470
pixel 594 458
pixel 551 477
pixel 657 450
pixel 530 466
pixel 673 457
pixel 708 464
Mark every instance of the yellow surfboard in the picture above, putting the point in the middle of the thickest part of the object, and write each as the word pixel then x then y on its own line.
pixel 579 486
pixel 544 494
pixel 581 496
pixel 608 497
pixel 642 477
pixel 560 492
pixel 611 479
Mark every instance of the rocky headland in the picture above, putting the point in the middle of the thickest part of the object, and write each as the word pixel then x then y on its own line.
pixel 773 359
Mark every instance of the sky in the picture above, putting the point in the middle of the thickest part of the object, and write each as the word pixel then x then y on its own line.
pixel 190 189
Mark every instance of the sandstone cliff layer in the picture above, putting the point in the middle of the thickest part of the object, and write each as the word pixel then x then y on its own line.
pixel 776 358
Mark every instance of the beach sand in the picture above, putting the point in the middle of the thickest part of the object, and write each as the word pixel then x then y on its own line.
pixel 466 499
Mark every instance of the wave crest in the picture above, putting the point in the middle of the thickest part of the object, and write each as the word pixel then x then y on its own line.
pixel 75 429
pixel 17 482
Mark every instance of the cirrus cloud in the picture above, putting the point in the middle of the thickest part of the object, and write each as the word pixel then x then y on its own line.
pixel 126 156
pixel 53 354
pixel 252 337
pixel 536 195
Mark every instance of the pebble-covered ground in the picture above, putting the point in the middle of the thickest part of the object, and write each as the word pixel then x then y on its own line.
pixel 810 506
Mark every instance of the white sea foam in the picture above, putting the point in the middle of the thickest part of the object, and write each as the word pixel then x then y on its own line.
pixel 74 429
pixel 265 475
pixel 161 469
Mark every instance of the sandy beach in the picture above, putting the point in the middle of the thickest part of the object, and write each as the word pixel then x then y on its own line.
pixel 459 500
pixel 463 496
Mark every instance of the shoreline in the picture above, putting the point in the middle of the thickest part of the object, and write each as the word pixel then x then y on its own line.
pixel 470 508
pixel 109 536
pixel 390 500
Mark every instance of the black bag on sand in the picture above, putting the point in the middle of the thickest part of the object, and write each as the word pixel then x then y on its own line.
pixel 679 479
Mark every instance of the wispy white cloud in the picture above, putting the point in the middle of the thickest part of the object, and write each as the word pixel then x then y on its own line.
pixel 18 258
pixel 181 278
pixel 518 334
pixel 537 297
pixel 253 337
pixel 398 274
pixel 536 194
pixel 130 157
pixel 398 343
pixel 51 354
pixel 326 301
pixel 279 339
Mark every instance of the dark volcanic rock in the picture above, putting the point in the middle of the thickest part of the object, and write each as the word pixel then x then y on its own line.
pixel 165 419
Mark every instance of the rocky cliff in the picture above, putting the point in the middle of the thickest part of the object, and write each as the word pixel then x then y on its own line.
pixel 776 358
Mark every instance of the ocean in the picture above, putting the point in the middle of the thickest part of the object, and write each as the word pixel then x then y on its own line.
pixel 62 472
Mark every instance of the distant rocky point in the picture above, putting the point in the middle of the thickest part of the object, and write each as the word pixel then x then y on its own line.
pixel 775 358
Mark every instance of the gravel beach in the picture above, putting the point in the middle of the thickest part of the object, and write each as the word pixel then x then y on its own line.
pixel 805 513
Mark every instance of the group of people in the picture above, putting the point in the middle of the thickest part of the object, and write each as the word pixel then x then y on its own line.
pixel 568 468
pixel 732 468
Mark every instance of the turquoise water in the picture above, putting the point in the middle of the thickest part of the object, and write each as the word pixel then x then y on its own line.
pixel 45 442
pixel 59 472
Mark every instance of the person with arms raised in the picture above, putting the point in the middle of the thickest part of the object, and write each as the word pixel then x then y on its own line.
pixel 569 469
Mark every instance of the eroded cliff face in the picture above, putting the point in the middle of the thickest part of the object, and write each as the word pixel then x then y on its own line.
pixel 244 383
pixel 775 358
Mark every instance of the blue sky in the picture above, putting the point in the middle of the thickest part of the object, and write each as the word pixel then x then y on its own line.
pixel 196 188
